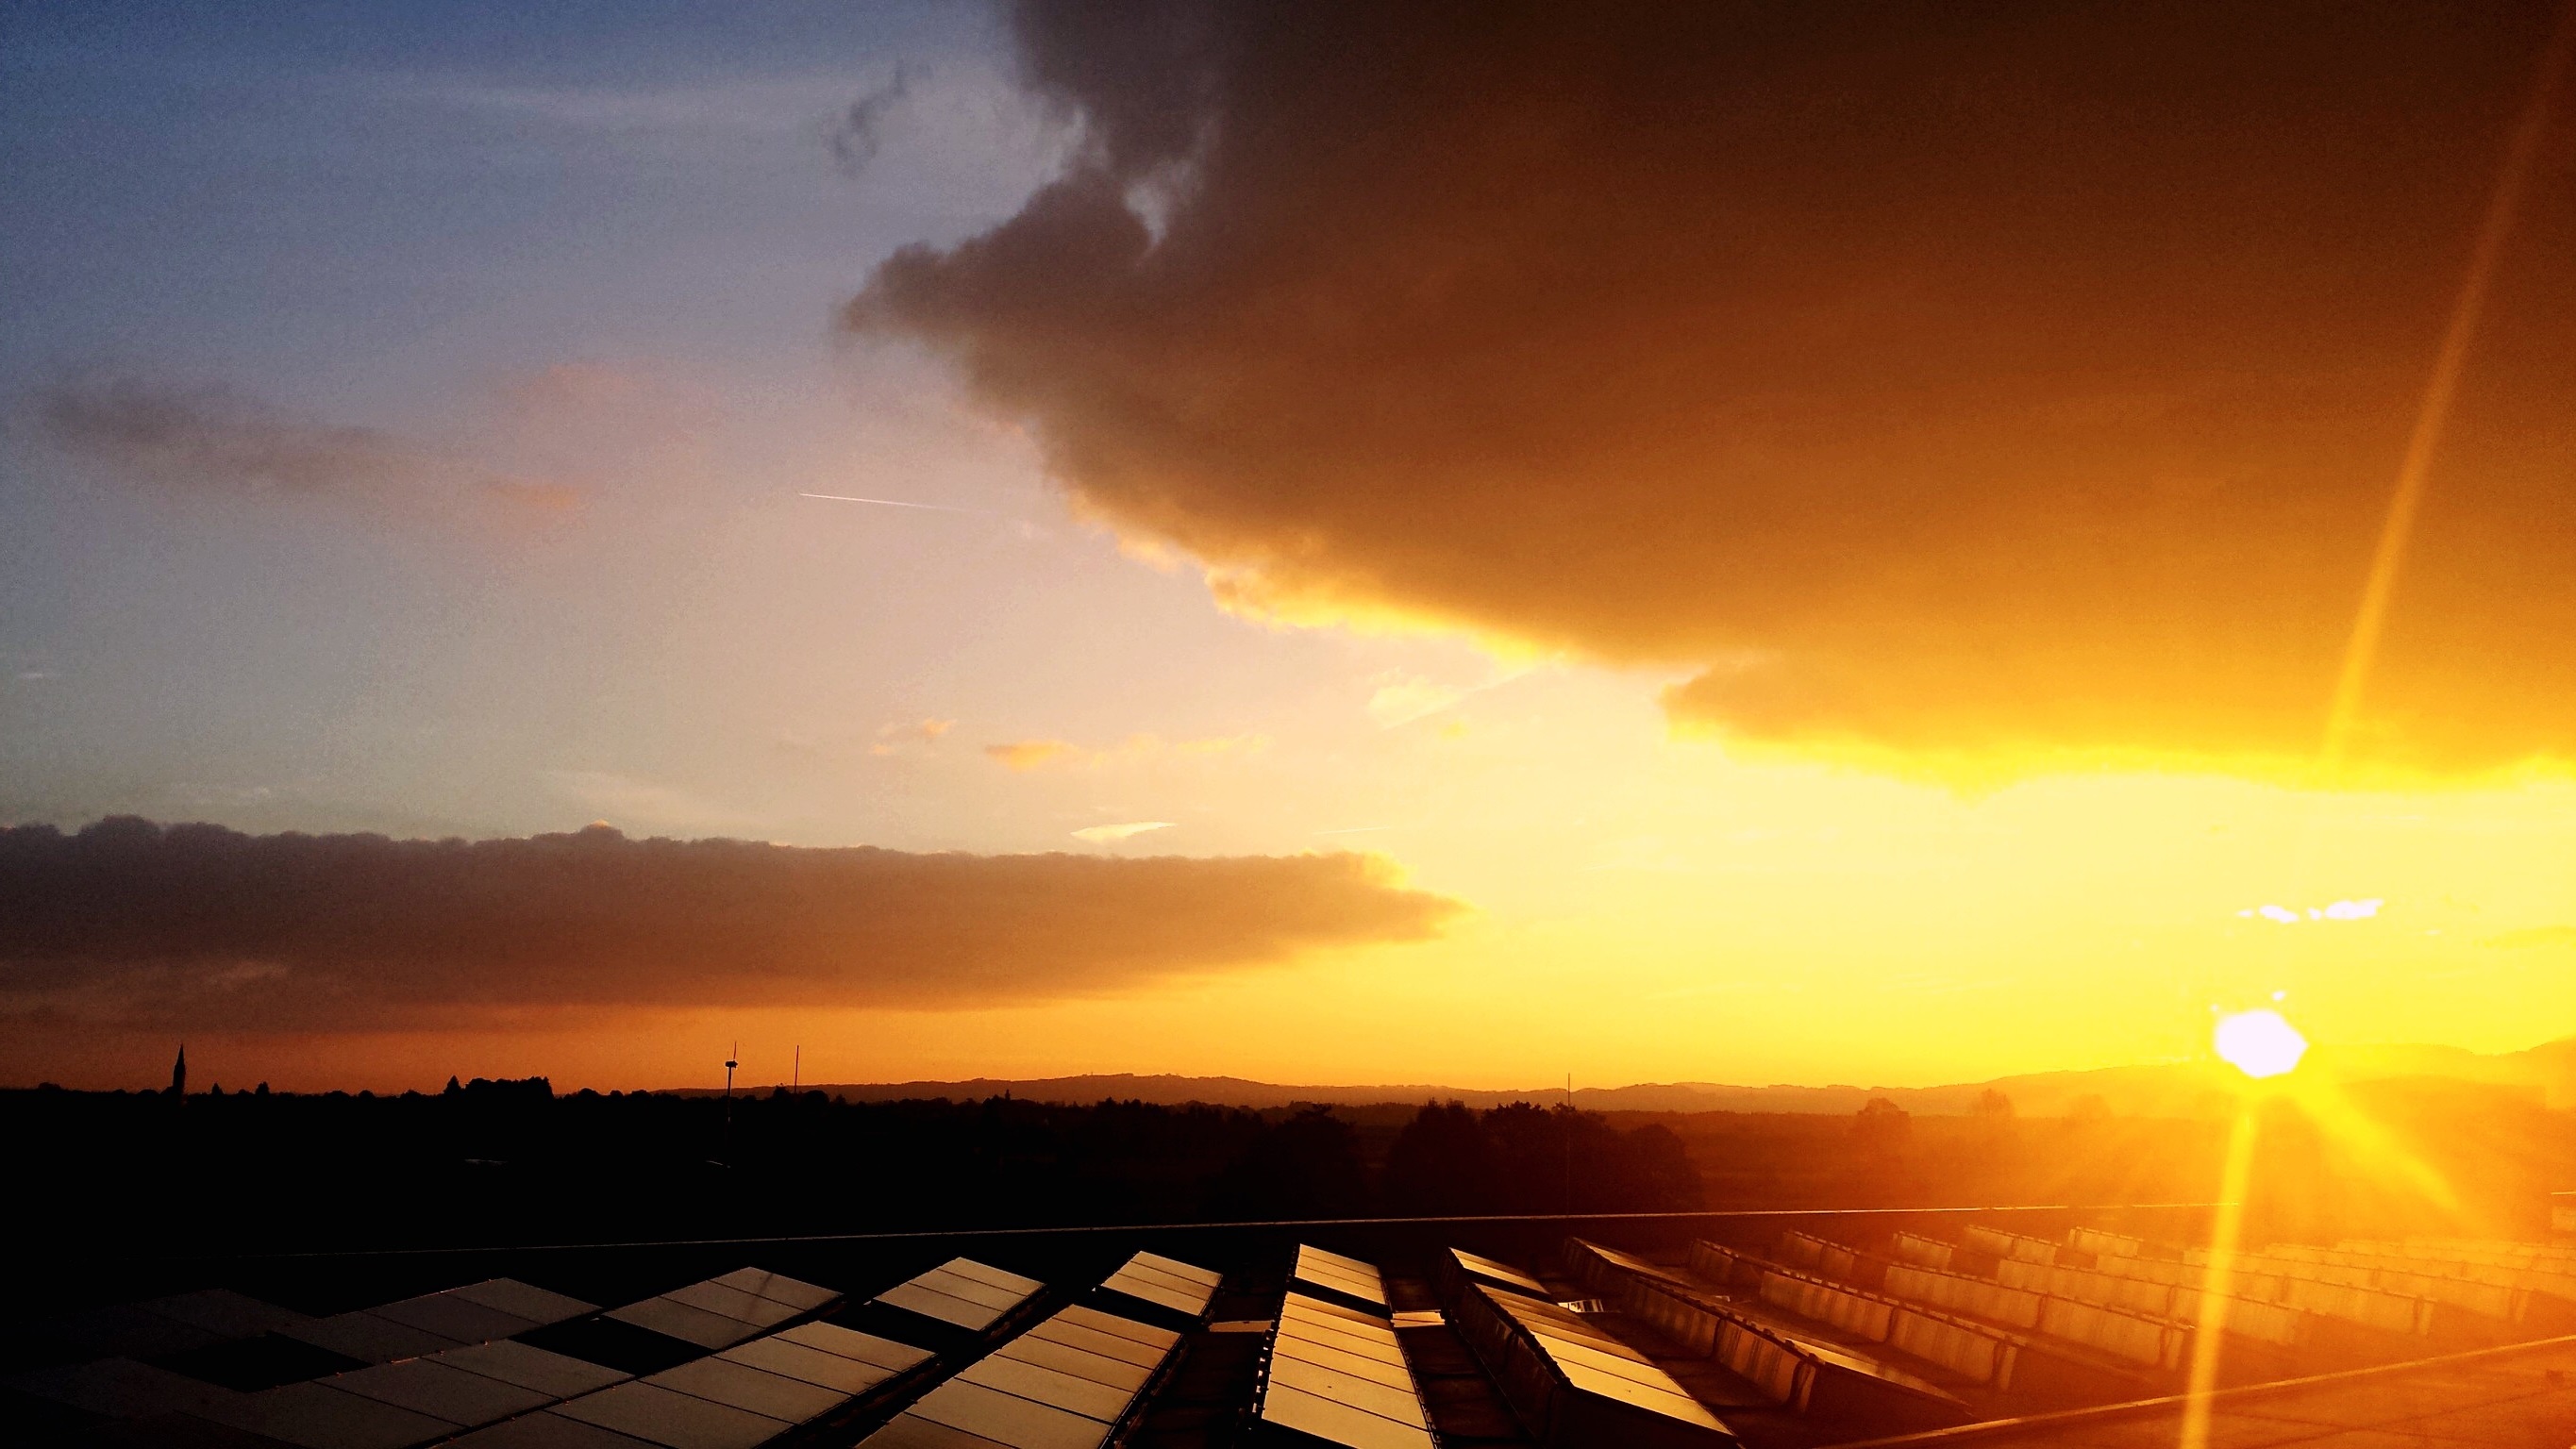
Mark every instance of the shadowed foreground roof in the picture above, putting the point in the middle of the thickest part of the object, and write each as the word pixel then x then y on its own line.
pixel 2519 1397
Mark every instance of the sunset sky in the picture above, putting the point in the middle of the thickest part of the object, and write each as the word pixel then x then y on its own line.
pixel 1750 543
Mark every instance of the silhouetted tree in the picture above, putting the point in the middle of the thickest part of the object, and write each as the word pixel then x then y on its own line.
pixel 1441 1164
pixel 1305 1167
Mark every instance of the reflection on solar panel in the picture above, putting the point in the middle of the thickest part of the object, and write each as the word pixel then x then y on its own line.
pixel 1069 1383
pixel 1339 1375
pixel 1347 1277
pixel 720 1312
pixel 1460 1262
pixel 961 1291
pixel 741 1397
pixel 1166 1283
pixel 1570 1383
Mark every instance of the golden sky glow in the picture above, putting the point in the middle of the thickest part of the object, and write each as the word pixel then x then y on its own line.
pixel 1713 544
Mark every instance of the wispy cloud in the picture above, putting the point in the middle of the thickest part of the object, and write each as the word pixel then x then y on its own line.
pixel 2364 909
pixel 211 440
pixel 858 133
pixel 1041 753
pixel 1120 832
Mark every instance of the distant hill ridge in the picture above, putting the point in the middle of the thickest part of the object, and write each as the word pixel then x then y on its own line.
pixel 2178 1089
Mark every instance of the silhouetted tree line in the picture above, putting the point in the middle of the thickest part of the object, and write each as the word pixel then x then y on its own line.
pixel 513 1161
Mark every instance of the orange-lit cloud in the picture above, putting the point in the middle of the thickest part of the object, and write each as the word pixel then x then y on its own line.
pixel 127 925
pixel 1965 392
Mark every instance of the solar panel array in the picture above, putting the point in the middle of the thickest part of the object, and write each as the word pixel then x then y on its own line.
pixel 414 1401
pixel 970 1295
pixel 1572 1382
pixel 1067 1383
pixel 1340 1375
pixel 722 1312
pixel 1166 1283
pixel 434 1322
pixel 736 1399
pixel 1333 1273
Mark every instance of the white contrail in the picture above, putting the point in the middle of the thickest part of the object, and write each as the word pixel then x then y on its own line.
pixel 890 503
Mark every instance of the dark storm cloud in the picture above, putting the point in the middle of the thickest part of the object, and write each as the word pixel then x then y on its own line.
pixel 1969 383
pixel 197 927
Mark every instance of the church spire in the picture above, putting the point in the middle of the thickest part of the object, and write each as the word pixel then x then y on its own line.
pixel 179 1073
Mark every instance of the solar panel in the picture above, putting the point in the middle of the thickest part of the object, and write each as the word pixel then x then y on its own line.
pixel 1497 1272
pixel 367 1338
pixel 813 1365
pixel 557 1376
pixel 734 1303
pixel 223 1313
pixel 318 1417
pixel 546 1431
pixel 1166 1284
pixel 777 1286
pixel 1334 1273
pixel 451 1317
pixel 680 1321
pixel 1340 1375
pixel 1585 1359
pixel 1016 1374
pixel 1065 1384
pixel 523 1300
pixel 998 1277
pixel 670 1418
pixel 1007 1418
pixel 849 1343
pixel 427 1386
pixel 743 1386
pixel 117 1388
pixel 962 1291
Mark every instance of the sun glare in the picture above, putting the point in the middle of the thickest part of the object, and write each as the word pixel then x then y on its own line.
pixel 2260 1043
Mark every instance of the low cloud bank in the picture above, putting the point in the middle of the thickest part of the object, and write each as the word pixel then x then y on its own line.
pixel 135 925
